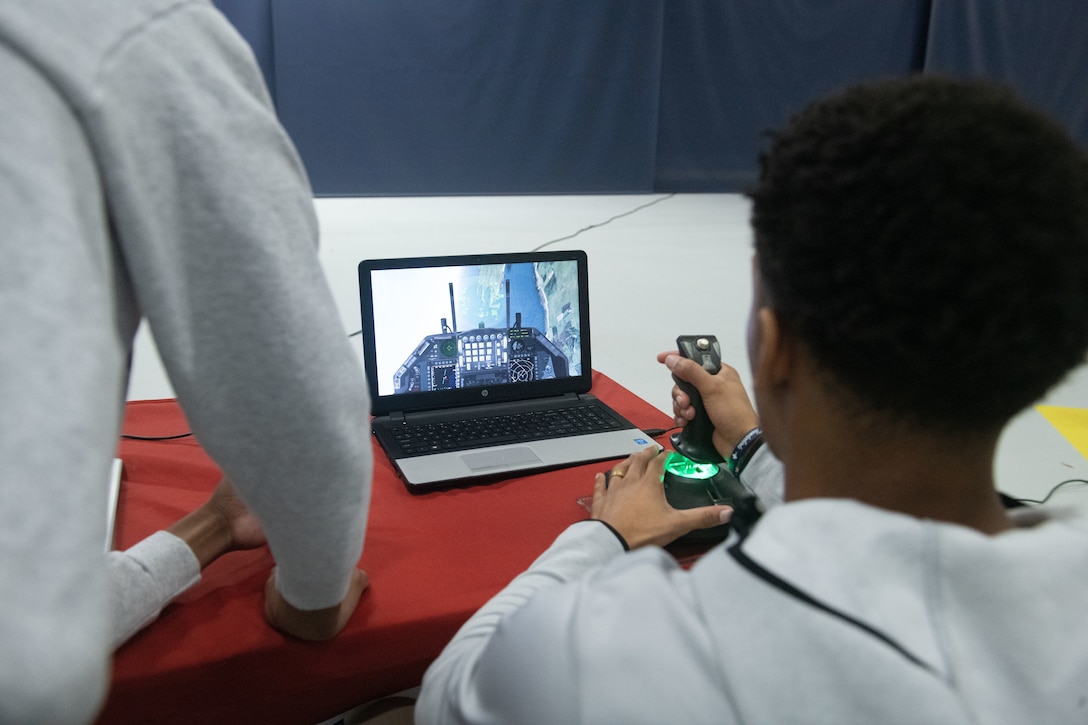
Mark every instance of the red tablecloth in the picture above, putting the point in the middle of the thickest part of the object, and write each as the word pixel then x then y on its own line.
pixel 433 559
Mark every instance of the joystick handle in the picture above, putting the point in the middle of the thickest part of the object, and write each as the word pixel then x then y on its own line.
pixel 695 440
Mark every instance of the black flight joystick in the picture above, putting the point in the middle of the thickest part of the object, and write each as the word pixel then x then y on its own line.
pixel 695 475
pixel 694 441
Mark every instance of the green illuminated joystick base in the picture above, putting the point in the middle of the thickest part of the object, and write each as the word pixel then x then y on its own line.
pixel 690 485
pixel 683 467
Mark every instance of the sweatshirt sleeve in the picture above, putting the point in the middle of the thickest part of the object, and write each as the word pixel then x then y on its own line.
pixel 451 692
pixel 214 217
pixel 765 477
pixel 145 578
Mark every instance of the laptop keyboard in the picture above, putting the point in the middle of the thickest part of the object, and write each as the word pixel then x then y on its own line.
pixel 416 439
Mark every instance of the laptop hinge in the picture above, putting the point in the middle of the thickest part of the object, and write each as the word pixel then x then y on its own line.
pixel 397 417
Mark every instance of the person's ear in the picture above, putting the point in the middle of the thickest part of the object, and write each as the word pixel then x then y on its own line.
pixel 767 356
pixel 769 349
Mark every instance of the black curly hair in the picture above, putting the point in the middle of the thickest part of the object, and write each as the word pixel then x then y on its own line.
pixel 927 240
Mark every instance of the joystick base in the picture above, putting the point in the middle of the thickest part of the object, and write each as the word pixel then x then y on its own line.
pixel 689 484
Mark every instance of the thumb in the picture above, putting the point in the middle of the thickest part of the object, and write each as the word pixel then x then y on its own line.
pixel 705 517
pixel 687 370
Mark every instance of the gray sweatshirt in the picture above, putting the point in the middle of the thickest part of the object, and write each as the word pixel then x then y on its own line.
pixel 143 173
pixel 830 611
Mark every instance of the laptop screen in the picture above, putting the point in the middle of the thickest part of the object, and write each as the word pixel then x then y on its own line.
pixel 444 331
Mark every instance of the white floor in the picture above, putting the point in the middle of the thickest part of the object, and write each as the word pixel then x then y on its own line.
pixel 660 266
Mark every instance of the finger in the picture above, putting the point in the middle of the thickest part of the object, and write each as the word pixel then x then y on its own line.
pixel 648 470
pixel 600 484
pixel 638 463
pixel 706 516
pixel 682 407
pixel 687 369
pixel 359 583
pixel 679 398
pixel 620 471
pixel 658 461
pixel 629 467
pixel 663 356
pixel 363 578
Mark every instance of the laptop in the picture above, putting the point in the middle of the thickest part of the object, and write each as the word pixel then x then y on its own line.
pixel 457 342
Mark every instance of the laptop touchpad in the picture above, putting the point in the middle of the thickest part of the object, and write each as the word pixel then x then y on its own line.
pixel 500 458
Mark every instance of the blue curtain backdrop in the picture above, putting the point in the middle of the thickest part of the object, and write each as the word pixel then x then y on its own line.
pixel 253 20
pixel 1039 47
pixel 732 70
pixel 410 96
pixel 573 96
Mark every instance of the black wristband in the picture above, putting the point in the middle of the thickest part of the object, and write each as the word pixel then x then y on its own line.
pixel 744 451
pixel 619 536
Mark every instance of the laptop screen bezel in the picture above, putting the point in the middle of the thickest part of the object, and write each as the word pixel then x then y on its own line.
pixel 439 399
